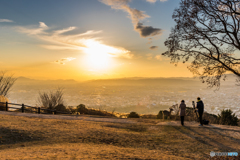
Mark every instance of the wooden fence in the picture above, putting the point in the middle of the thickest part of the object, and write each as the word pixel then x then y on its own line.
pixel 29 109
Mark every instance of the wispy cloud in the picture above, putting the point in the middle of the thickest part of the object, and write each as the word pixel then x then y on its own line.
pixel 6 20
pixel 61 40
pixel 149 56
pixel 158 57
pixel 64 60
pixel 93 46
pixel 153 1
pixel 153 47
pixel 135 15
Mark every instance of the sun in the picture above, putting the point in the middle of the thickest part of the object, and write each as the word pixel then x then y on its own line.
pixel 99 56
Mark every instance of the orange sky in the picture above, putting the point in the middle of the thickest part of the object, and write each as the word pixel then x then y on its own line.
pixel 85 40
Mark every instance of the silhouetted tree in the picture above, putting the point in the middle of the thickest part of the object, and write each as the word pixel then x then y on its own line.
pixel 51 99
pixel 207 33
pixel 6 82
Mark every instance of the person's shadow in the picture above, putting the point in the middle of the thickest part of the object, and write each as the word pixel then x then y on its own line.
pixel 211 141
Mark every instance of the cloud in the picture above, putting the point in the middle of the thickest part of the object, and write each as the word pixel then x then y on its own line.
pixel 34 31
pixel 151 1
pixel 158 57
pixel 149 56
pixel 6 20
pixel 64 60
pixel 62 40
pixel 153 47
pixel 135 15
pixel 93 46
pixel 146 31
pixel 43 25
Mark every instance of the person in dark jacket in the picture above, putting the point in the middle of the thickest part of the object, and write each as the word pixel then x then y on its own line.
pixel 200 107
pixel 182 112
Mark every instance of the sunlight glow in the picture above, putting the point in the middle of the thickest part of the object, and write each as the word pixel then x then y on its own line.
pixel 99 56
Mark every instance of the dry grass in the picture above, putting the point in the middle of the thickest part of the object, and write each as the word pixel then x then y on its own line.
pixel 35 138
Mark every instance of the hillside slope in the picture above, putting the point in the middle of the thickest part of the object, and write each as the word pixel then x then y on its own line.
pixel 39 138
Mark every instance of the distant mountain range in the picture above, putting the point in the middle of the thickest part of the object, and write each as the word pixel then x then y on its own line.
pixel 126 81
pixel 34 81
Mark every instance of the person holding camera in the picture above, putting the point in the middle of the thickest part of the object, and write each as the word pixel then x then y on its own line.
pixel 200 107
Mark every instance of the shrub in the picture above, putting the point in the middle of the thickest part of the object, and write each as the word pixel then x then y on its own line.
pixel 82 109
pixel 227 117
pixel 133 115
pixel 160 115
pixel 51 99
pixel 60 108
pixel 99 113
pixel 72 109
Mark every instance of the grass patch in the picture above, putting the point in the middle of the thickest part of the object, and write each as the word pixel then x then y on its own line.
pixel 130 127
pixel 79 139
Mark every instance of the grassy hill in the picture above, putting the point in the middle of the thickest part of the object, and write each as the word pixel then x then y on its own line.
pixel 36 138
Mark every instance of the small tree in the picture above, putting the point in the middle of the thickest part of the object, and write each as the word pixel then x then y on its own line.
pixel 51 99
pixel 207 33
pixel 6 82
pixel 227 117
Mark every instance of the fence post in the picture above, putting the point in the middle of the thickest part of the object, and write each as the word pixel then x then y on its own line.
pixel 6 106
pixel 38 110
pixel 22 108
pixel 55 112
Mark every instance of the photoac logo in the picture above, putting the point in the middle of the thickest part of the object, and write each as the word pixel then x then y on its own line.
pixel 212 154
pixel 230 154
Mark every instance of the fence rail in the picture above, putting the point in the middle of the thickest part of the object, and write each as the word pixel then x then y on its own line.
pixel 23 108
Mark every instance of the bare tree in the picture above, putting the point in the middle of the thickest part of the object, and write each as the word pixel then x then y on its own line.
pixel 51 99
pixel 6 82
pixel 207 34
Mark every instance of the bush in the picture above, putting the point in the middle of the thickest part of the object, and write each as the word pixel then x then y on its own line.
pixel 99 113
pixel 60 108
pixel 133 115
pixel 227 117
pixel 51 99
pixel 82 109
pixel 160 115
pixel 72 109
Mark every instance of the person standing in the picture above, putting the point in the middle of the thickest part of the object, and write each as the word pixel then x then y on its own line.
pixel 200 107
pixel 182 112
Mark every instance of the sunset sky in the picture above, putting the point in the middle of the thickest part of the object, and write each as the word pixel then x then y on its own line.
pixel 87 39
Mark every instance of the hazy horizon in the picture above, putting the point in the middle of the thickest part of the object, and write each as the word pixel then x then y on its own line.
pixel 143 95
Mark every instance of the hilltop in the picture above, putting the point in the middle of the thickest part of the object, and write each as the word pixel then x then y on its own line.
pixel 38 138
